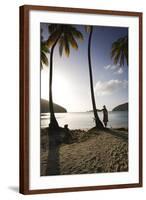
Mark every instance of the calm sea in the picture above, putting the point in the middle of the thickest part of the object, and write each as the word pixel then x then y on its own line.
pixel 85 120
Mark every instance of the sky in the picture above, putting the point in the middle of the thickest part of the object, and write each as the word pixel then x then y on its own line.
pixel 71 88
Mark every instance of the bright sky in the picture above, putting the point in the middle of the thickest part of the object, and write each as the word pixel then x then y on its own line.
pixel 71 87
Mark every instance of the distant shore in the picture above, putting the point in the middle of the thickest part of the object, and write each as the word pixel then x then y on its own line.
pixel 84 152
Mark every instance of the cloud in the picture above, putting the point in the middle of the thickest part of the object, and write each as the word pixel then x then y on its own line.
pixel 112 67
pixel 109 87
pixel 119 71
pixel 107 67
pixel 116 68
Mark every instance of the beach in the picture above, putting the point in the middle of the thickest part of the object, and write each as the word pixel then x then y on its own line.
pixel 84 152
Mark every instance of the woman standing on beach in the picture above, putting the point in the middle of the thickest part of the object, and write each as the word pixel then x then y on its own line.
pixel 105 115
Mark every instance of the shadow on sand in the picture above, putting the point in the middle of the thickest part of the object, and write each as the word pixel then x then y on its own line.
pixel 53 163
pixel 59 136
pixel 118 133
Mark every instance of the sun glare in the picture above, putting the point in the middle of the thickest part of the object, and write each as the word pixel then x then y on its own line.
pixel 61 88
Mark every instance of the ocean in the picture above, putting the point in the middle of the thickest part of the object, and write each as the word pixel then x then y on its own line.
pixel 85 120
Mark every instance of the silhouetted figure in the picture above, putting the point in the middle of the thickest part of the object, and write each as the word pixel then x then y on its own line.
pixel 68 135
pixel 66 127
pixel 105 115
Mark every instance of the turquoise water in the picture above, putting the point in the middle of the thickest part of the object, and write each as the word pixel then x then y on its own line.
pixel 85 120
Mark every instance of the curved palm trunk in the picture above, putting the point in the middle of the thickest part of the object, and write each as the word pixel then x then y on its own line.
pixel 97 120
pixel 53 122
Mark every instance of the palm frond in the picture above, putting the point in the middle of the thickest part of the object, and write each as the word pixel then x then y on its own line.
pixel 72 41
pixel 53 37
pixel 77 34
pixel 44 59
pixel 44 47
pixel 61 45
pixel 66 47
pixel 44 52
pixel 119 51
pixel 67 36
pixel 52 28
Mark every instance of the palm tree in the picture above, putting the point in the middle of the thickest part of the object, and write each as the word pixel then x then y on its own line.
pixel 65 36
pixel 44 52
pixel 98 123
pixel 119 51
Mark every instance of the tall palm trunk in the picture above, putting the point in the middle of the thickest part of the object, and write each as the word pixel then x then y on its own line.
pixel 53 122
pixel 97 120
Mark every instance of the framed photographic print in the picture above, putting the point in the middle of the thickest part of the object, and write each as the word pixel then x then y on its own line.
pixel 80 99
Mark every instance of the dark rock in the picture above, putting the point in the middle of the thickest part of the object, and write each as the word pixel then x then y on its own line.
pixel 122 107
pixel 45 107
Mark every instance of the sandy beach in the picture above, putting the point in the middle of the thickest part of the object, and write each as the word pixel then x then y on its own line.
pixel 84 152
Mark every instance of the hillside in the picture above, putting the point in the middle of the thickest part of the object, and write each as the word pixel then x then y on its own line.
pixel 122 107
pixel 45 107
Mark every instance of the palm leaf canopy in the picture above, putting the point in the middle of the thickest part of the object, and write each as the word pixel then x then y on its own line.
pixel 67 35
pixel 119 51
pixel 44 52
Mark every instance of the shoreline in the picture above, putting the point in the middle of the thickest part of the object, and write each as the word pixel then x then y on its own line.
pixel 86 120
